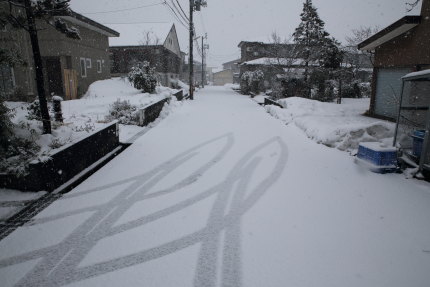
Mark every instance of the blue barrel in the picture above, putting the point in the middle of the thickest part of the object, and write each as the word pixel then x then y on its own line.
pixel 418 140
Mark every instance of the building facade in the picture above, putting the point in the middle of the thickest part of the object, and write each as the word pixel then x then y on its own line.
pixel 157 45
pixel 399 49
pixel 69 65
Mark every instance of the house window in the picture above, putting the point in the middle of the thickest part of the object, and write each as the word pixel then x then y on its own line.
pixel 83 68
pixel 89 66
pixel 99 66
pixel 256 54
pixel 157 51
pixel 7 79
pixel 249 49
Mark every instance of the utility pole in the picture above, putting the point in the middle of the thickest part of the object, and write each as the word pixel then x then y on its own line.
pixel 203 62
pixel 40 83
pixel 190 58
pixel 194 4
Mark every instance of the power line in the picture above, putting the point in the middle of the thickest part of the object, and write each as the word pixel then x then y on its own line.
pixel 177 11
pixel 185 14
pixel 175 15
pixel 122 10
pixel 180 11
pixel 203 23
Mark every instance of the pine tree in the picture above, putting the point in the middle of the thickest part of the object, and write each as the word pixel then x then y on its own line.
pixel 313 44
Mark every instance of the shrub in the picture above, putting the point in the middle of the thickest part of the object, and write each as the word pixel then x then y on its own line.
pixel 143 77
pixel 34 112
pixel 251 81
pixel 6 125
pixel 17 155
pixel 124 112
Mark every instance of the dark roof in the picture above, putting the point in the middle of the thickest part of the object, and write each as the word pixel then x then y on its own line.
pixel 91 24
pixel 394 30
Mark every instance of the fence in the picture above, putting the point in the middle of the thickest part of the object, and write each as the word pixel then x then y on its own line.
pixel 150 113
pixel 66 163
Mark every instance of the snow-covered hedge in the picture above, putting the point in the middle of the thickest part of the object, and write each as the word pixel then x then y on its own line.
pixel 143 77
pixel 124 112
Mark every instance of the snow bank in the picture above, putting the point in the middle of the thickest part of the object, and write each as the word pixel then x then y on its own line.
pixel 81 116
pixel 232 86
pixel 341 126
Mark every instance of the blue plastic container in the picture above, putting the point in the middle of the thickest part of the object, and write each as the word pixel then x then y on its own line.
pixel 418 140
pixel 376 155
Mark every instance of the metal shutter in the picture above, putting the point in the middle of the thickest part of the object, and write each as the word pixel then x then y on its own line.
pixel 388 89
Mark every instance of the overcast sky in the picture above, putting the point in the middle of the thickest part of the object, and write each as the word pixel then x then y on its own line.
pixel 227 22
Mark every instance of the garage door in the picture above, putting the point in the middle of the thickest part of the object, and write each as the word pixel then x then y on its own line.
pixel 388 89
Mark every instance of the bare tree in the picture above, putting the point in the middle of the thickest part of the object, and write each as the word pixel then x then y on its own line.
pixel 411 5
pixel 357 36
pixel 149 38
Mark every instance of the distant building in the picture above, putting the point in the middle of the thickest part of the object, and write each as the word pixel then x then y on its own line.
pixel 399 49
pixel 157 44
pixel 235 68
pixel 70 65
pixel 223 77
pixel 270 58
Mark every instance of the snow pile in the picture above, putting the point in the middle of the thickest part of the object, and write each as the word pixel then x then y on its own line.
pixel 94 106
pixel 341 126
pixel 81 117
pixel 232 86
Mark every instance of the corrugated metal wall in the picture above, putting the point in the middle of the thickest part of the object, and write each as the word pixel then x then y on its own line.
pixel 388 89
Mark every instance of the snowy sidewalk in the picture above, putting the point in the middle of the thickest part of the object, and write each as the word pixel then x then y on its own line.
pixel 222 194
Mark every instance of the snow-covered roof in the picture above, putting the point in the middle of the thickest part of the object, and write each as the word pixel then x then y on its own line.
pixel 216 70
pixel 394 30
pixel 90 24
pixel 417 75
pixel 276 61
pixel 138 34
pixel 261 39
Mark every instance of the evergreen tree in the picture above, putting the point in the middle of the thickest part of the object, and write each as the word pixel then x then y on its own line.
pixel 309 35
pixel 313 44
pixel 331 55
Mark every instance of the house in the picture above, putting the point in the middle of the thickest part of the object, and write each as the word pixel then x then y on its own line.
pixel 220 78
pixel 197 72
pixel 70 65
pixel 271 58
pixel 157 44
pixel 399 49
pixel 235 68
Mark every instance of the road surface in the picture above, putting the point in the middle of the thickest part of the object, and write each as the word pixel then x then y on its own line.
pixel 221 194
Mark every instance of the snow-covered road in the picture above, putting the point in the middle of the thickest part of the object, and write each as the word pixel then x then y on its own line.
pixel 222 194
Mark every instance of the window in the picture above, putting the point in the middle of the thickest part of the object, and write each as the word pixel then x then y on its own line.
pixel 7 79
pixel 249 49
pixel 89 66
pixel 68 62
pixel 83 68
pixel 99 66
pixel 255 53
